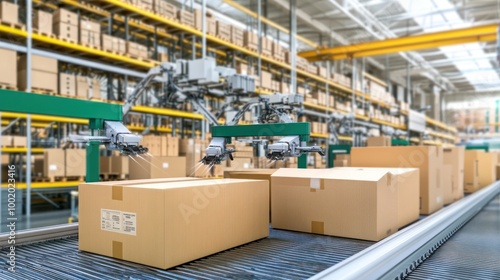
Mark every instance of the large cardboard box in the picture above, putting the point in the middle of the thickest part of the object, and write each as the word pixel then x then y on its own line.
pixel 378 141
pixel 120 165
pixel 9 12
pixel 6 141
pixel 19 141
pixel 8 73
pixel 76 162
pixel 82 87
pixel 408 185
pixel 43 22
pixel 146 167
pixel 65 16
pixel 192 150
pixel 428 159
pixel 448 196
pixel 67 84
pixel 40 63
pixel 105 164
pixel 455 157
pixel 170 223
pixel 39 80
pixel 471 171
pixel 487 169
pixel 66 31
pixel 54 163
pixel 354 203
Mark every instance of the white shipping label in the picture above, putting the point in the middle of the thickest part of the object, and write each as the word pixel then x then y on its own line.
pixel 52 167
pixel 165 165
pixel 246 165
pixel 315 183
pixel 118 221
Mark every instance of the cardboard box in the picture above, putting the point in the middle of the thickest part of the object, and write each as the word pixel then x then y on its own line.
pixel 448 196
pixel 428 159
pixel 65 16
pixel 192 150
pixel 40 63
pixel 82 87
pixel 167 224
pixel 67 84
pixel 455 157
pixel 120 165
pixel 8 73
pixel 39 80
pixel 240 163
pixel 487 169
pixel 43 21
pixel 54 163
pixel 6 141
pixel 357 204
pixel 157 167
pixel 153 143
pixel 223 30
pixel 169 146
pixel 9 12
pixel 133 49
pixel 66 31
pixel 165 9
pixel 211 27
pixel 95 88
pixel 186 17
pixel 480 170
pixel 105 164
pixel 237 35
pixel 19 141
pixel 498 172
pixel 378 141
pixel 76 162
pixel 408 185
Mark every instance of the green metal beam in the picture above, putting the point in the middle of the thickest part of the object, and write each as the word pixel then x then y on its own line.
pixel 33 103
pixel 301 129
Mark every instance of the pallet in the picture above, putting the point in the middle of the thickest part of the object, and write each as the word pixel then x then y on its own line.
pixel 13 25
pixel 140 58
pixel 114 176
pixel 114 52
pixel 8 86
pixel 67 40
pixel 92 46
pixel 54 179
pixel 43 91
pixel 51 35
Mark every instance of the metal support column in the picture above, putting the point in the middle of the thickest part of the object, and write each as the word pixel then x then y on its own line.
pixel 293 45
pixel 259 32
pixel 204 29
pixel 29 12
pixel 155 43
pixel 353 96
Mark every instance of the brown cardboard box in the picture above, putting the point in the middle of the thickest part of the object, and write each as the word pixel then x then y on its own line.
pixel 265 79
pixel 39 80
pixel 95 88
pixel 168 224
pixel 19 141
pixel 378 141
pixel 108 42
pixel 408 184
pixel 236 35
pixel 472 171
pixel 447 172
pixel 82 87
pixel 65 16
pixel 165 9
pixel 157 167
pixel 6 141
pixel 4 159
pixel 76 162
pixel 239 163
pixel 192 150
pixel 498 172
pixel 341 163
pixel 67 84
pixel 357 204
pixel 43 22
pixel 133 49
pixel 169 146
pixel 105 164
pixel 487 169
pixel 54 163
pixel 428 159
pixel 120 165
pixel 223 30
pixel 41 63
pixel 8 74
pixel 9 12
pixel 211 27
pixel 153 143
pixel 186 17
pixel 250 39
pixel 66 31
pixel 455 157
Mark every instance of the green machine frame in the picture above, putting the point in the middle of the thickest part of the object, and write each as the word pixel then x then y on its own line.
pixel 95 112
pixel 338 149
pixel 301 129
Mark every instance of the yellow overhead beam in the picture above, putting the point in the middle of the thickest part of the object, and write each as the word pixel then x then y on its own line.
pixel 483 32
pixel 166 112
pixel 43 185
pixel 268 22
pixel 43 118
pixel 21 150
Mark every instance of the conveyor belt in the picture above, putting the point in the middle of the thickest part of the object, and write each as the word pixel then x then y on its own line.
pixel 283 255
pixel 472 253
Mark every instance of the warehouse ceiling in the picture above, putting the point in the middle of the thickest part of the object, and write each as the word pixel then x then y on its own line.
pixel 462 68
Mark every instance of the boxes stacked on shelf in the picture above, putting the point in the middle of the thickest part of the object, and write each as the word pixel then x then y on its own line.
pixel 157 167
pixel 113 44
pixel 42 21
pixel 237 35
pixel 82 86
pixel 65 25
pixel 343 80
pixel 343 106
pixel 302 63
pixel 480 170
pixel 322 72
pixel 116 165
pixel 310 99
pixel 137 50
pixel 144 4
pixel 267 46
pixel 9 12
pixel 277 51
pixel 275 85
pixel 342 160
pixel 320 96
pixel 244 69
pixel 90 32
pixel 191 149
pixel 165 9
pixel 67 84
pixel 403 106
pixel 8 73
pixel 43 73
pixel 312 69
pixel 185 17
pixel 284 87
pixel 378 141
pixel 223 30
pixel 251 40
pixel 211 26
pixel 265 79
pixel 95 89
